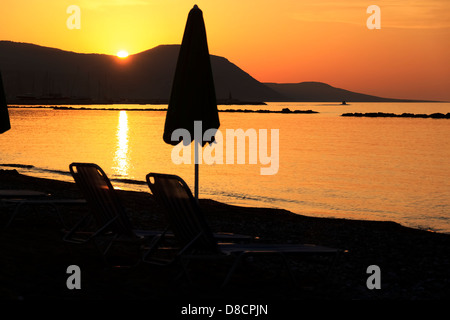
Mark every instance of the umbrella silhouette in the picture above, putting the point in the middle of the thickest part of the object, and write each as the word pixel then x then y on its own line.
pixel 4 117
pixel 193 96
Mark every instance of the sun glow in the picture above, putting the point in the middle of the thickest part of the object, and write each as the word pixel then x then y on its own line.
pixel 122 54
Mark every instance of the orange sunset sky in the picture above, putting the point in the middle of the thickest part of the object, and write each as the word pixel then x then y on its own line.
pixel 274 41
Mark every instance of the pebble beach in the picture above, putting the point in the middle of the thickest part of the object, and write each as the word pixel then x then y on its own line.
pixel 414 264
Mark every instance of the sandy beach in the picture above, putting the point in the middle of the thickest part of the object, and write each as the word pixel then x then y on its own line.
pixel 414 264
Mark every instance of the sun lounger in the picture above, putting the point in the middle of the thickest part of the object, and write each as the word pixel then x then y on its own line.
pixel 107 217
pixel 195 238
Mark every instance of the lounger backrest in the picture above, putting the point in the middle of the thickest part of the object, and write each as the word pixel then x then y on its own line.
pixel 184 214
pixel 101 197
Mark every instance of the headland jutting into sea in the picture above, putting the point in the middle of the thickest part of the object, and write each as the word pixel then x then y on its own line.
pixel 393 115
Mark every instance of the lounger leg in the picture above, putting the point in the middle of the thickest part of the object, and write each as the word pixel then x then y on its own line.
pixel 286 263
pixel 58 214
pixel 232 269
pixel 184 271
pixel 153 245
pixel 10 220
pixel 333 264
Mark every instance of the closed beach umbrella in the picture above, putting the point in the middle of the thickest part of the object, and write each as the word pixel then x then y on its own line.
pixel 193 96
pixel 4 116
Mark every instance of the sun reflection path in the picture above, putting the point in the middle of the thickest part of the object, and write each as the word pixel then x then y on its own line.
pixel 121 157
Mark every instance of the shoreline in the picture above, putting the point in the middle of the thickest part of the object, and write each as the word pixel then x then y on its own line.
pixel 414 263
pixel 133 185
pixel 53 107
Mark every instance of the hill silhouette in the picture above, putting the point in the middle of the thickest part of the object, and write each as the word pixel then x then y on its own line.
pixel 37 74
pixel 35 71
pixel 322 92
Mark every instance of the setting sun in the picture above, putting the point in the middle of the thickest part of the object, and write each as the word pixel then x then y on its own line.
pixel 122 54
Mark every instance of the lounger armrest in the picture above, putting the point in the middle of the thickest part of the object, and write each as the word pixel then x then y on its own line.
pixel 92 235
pixel 190 244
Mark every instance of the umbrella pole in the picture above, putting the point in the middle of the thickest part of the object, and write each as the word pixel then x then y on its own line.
pixel 196 143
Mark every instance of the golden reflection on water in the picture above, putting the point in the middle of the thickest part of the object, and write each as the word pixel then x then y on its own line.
pixel 353 168
pixel 121 160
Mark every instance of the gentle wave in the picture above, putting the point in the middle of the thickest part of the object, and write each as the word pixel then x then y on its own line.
pixel 66 173
pixel 134 182
pixel 250 197
pixel 13 165
pixel 36 169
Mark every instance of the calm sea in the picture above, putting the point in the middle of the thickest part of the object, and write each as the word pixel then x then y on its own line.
pixel 393 169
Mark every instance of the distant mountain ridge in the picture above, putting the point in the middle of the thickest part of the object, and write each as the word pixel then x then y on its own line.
pixel 37 74
pixel 322 92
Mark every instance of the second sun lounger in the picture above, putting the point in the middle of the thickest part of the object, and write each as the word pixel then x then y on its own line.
pixel 196 239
